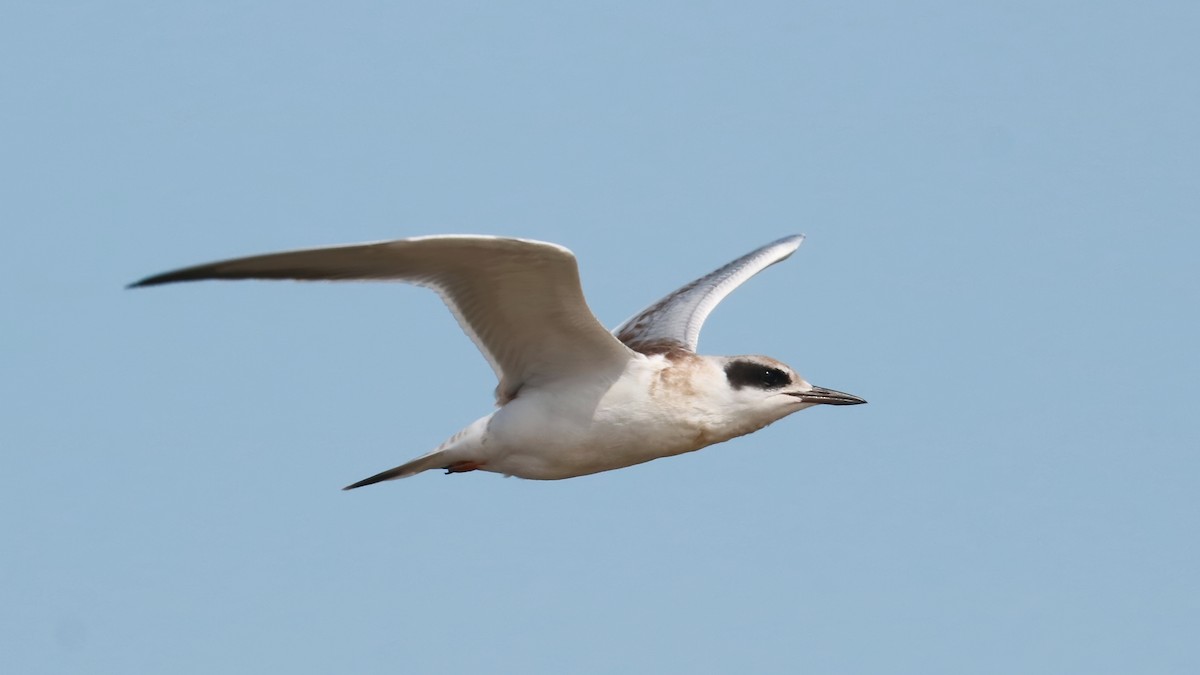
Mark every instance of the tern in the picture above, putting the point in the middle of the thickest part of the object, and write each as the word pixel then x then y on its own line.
pixel 574 398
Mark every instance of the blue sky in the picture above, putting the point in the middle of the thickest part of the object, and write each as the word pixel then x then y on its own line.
pixel 1001 205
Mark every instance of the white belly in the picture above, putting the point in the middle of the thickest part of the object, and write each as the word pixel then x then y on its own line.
pixel 549 435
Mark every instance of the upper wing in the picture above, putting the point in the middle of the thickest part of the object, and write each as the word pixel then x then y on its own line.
pixel 520 301
pixel 674 322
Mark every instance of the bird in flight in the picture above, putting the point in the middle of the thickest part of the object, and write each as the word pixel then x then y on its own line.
pixel 573 399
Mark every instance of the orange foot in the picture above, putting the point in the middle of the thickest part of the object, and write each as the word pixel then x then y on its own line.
pixel 463 466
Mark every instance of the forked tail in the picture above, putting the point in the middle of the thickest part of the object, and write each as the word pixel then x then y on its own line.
pixel 434 460
pixel 461 452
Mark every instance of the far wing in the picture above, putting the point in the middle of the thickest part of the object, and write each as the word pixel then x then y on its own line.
pixel 674 322
pixel 520 301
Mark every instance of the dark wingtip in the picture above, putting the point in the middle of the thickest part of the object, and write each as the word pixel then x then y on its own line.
pixel 186 274
pixel 155 280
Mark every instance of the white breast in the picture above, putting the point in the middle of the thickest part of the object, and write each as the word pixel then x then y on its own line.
pixel 653 410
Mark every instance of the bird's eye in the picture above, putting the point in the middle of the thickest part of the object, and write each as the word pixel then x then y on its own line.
pixel 774 377
pixel 749 374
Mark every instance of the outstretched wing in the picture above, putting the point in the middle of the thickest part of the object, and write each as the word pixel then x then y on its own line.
pixel 674 322
pixel 520 301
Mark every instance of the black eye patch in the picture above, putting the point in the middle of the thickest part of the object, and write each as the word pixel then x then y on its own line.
pixel 749 374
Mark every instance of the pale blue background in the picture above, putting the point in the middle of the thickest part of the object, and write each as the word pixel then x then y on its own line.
pixel 1001 201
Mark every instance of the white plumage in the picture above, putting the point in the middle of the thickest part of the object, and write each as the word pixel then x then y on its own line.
pixel 574 399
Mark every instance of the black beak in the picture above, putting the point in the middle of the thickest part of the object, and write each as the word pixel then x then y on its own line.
pixel 827 396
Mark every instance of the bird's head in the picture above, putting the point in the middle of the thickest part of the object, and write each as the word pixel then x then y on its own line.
pixel 762 390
